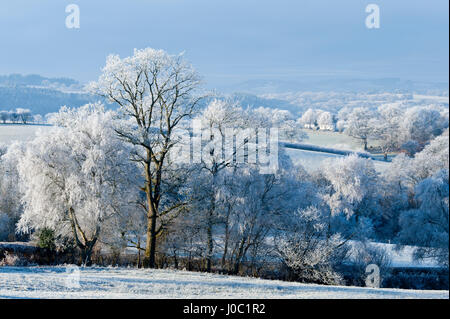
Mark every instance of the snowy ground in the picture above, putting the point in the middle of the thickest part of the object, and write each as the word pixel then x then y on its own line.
pixel 312 161
pixel 430 98
pixel 55 282
pixel 334 140
pixel 18 132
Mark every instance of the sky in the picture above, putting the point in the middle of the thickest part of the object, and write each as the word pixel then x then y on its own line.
pixel 231 41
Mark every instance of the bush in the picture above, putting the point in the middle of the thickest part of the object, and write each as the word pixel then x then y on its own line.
pixel 413 278
pixel 365 254
pixel 307 253
pixel 13 260
pixel 47 239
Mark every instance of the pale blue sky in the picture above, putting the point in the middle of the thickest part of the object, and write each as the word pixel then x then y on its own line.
pixel 233 40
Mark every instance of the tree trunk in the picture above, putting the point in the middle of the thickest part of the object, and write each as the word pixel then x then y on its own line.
pixel 210 223
pixel 239 256
pixel 86 246
pixel 175 260
pixel 225 249
pixel 139 253
pixel 189 266
pixel 86 252
pixel 151 194
pixel 209 250
pixel 150 249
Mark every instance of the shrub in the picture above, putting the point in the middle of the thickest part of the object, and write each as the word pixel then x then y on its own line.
pixel 366 254
pixel 47 239
pixel 13 260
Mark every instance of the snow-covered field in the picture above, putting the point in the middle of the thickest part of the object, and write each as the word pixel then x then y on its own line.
pixel 333 140
pixel 55 282
pixel 313 160
pixel 17 132
pixel 431 98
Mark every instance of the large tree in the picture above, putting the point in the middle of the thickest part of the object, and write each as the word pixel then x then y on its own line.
pixel 386 127
pixel 217 120
pixel 360 124
pixel 156 92
pixel 427 226
pixel 10 192
pixel 76 177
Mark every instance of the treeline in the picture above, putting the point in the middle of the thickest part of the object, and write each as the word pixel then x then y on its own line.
pixel 394 126
pixel 18 115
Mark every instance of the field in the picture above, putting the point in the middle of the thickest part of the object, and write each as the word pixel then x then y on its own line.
pixel 313 160
pixel 333 140
pixel 17 132
pixel 56 282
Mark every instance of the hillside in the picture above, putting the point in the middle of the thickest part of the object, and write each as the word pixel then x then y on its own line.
pixel 40 94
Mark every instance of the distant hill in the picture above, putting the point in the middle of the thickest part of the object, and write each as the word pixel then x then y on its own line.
pixel 38 80
pixel 40 100
pixel 348 85
pixel 40 94
pixel 46 95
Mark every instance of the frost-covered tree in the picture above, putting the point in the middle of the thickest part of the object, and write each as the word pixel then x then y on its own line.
pixel 10 192
pixel 249 204
pixel 14 116
pixel 394 190
pixel 185 237
pixel 360 124
pixel 237 214
pixel 387 127
pixel 38 119
pixel 434 157
pixel 76 177
pixel 219 121
pixel 309 119
pixel 24 115
pixel 421 124
pixel 288 128
pixel 352 180
pixel 304 247
pixel 342 117
pixel 398 183
pixel 156 92
pixel 325 121
pixel 4 116
pixel 411 147
pixel 427 225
